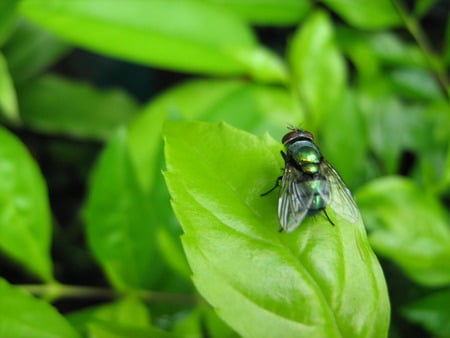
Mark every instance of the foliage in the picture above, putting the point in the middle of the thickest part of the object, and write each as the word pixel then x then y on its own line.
pixel 363 78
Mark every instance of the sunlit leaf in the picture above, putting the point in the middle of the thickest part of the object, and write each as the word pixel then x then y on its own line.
pixel 267 12
pixel 320 281
pixel 180 35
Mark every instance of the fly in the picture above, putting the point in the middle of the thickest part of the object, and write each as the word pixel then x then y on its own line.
pixel 309 184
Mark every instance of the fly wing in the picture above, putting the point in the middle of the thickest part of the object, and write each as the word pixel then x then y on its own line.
pixel 294 201
pixel 341 201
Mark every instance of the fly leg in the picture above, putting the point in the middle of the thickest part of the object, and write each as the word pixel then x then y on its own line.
pixel 328 217
pixel 277 184
pixel 279 178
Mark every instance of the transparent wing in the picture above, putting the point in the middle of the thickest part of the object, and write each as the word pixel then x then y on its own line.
pixel 294 201
pixel 341 200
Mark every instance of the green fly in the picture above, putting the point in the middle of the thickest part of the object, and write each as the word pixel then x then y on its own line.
pixel 309 183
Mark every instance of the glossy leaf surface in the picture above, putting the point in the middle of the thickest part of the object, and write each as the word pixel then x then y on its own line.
pixel 320 281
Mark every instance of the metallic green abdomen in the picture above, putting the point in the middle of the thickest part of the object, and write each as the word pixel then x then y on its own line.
pixel 319 190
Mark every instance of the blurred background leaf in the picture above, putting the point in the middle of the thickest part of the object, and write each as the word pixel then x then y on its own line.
pixel 25 222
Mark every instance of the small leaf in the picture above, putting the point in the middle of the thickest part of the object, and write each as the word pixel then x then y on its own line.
pixel 409 227
pixel 374 14
pixel 320 281
pixel 21 315
pixel 25 221
pixel 8 100
pixel 31 50
pixel 267 12
pixel 120 231
pixel 53 104
pixel 319 69
pixel 431 312
pixel 181 35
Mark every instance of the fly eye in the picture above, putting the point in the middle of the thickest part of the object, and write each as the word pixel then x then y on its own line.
pixel 308 135
pixel 297 134
pixel 289 136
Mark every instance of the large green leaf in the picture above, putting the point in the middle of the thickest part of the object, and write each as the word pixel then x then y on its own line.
pixel 25 221
pixel 31 49
pixel 181 35
pixel 53 104
pixel 320 281
pixel 267 12
pixel 409 227
pixel 374 14
pixel 8 100
pixel 21 316
pixel 319 68
pixel 120 231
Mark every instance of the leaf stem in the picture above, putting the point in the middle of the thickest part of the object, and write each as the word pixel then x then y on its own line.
pixel 59 291
pixel 417 33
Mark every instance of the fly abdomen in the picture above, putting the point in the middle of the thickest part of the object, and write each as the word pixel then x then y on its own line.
pixel 319 193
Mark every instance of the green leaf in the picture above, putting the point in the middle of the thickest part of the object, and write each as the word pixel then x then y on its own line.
pixel 114 330
pixel 30 50
pixel 8 100
pixel 431 312
pixel 409 227
pixel 120 230
pixel 415 84
pixel 267 12
pixel 21 315
pixel 266 108
pixel 25 221
pixel 8 16
pixel 201 321
pixel 53 104
pixel 343 121
pixel 374 14
pixel 320 281
pixel 128 311
pixel 181 35
pixel 319 69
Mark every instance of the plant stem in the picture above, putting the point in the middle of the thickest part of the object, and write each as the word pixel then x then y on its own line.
pixel 416 32
pixel 58 291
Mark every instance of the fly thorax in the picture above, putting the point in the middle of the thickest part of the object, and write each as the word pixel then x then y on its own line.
pixel 306 155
